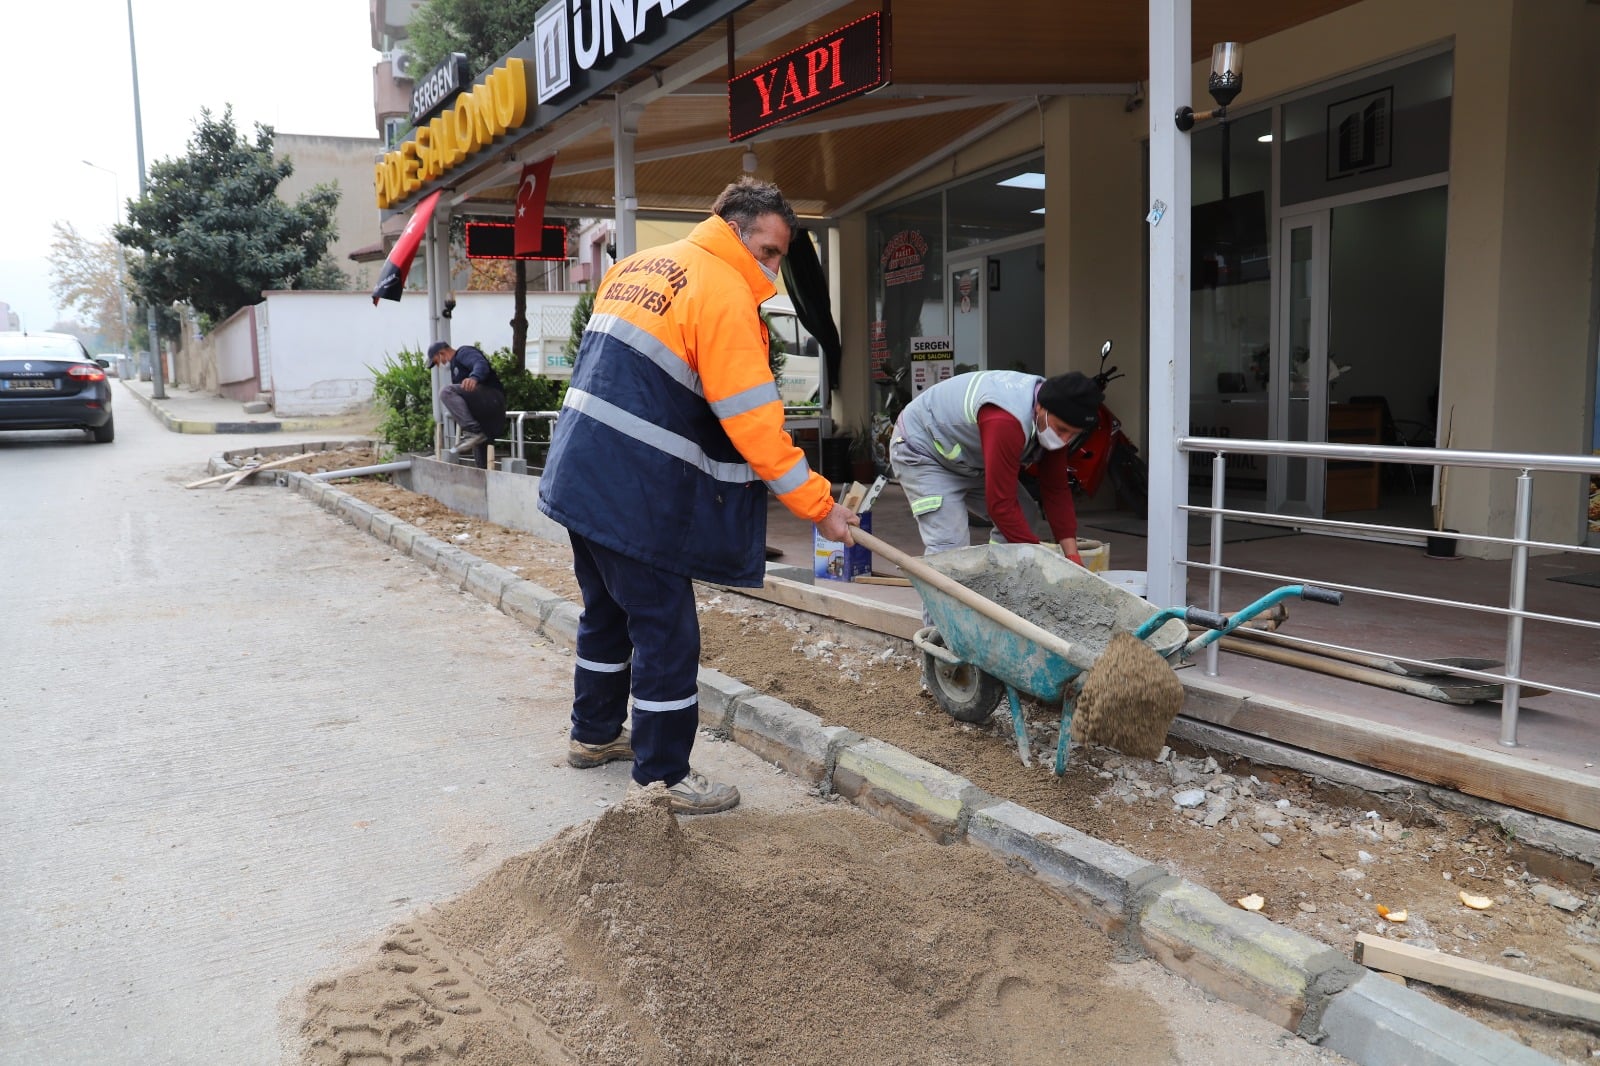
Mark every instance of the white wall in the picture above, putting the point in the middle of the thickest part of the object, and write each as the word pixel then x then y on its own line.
pixel 322 347
pixel 233 343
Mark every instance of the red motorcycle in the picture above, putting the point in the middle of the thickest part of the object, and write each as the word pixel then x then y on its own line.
pixel 1105 451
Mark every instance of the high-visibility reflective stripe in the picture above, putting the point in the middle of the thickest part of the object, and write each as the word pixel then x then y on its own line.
pixel 602 668
pixel 748 400
pixel 665 705
pixel 951 454
pixel 662 440
pixel 968 407
pixel 798 475
pixel 648 345
pixel 926 504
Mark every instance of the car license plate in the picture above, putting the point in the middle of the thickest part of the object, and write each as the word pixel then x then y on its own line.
pixel 30 385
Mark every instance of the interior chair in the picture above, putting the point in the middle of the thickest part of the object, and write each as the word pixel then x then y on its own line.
pixel 1398 433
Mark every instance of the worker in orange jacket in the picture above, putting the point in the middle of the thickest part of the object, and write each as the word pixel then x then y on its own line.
pixel 669 439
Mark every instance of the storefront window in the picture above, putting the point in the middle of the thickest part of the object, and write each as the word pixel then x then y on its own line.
pixel 907 246
pixel 1231 312
pixel 999 204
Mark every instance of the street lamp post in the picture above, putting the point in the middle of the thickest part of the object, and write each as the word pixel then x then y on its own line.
pixel 122 266
pixel 158 388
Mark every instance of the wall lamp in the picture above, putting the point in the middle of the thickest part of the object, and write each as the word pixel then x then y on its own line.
pixel 1225 83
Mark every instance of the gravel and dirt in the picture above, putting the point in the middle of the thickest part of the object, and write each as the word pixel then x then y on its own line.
pixel 1324 857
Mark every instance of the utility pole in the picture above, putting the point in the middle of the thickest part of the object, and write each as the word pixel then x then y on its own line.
pixel 122 266
pixel 158 388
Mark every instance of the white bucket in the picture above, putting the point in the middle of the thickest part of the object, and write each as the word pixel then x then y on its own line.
pixel 1096 554
pixel 1135 581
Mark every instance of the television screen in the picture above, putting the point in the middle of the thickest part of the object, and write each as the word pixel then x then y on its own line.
pixel 1228 241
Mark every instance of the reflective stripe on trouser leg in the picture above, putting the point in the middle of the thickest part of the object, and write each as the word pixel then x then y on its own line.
pixel 657 610
pixel 600 679
pixel 938 498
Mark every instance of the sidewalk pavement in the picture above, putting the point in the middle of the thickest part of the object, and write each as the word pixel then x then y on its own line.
pixel 184 410
pixel 1301 984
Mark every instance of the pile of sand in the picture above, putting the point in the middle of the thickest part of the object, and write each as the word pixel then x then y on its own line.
pixel 750 937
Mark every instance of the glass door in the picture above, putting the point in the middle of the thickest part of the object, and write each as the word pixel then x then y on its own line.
pixel 968 310
pixel 1299 363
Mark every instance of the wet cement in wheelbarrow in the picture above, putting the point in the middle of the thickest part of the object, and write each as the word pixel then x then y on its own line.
pixel 1024 591
pixel 1130 694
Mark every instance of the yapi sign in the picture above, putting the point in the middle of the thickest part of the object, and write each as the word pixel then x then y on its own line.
pixel 850 61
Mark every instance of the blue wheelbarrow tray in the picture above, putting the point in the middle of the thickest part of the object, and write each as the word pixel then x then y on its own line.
pixel 1078 612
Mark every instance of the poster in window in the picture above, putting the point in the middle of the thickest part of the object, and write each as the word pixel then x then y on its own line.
pixel 1360 134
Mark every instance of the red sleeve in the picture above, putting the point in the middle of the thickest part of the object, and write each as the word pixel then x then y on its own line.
pixel 1002 465
pixel 1055 489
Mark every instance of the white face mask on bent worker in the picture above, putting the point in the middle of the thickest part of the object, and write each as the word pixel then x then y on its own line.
pixel 1050 439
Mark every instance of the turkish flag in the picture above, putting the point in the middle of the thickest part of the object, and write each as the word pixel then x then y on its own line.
pixel 392 280
pixel 528 236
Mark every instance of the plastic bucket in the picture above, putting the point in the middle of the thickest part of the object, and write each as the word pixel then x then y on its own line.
pixel 1096 555
pixel 1135 581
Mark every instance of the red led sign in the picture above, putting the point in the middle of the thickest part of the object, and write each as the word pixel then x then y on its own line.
pixel 495 240
pixel 847 62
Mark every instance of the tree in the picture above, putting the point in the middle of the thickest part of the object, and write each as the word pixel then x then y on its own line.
pixel 484 30
pixel 214 229
pixel 85 277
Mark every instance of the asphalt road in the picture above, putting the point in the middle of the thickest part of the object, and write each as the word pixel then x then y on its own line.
pixel 242 740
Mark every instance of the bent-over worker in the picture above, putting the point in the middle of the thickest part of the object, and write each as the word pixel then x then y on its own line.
pixel 965 442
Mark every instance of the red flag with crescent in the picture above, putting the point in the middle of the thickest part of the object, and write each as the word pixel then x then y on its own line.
pixel 392 280
pixel 528 236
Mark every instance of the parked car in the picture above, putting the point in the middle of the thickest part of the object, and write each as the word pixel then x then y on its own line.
pixel 49 381
pixel 800 379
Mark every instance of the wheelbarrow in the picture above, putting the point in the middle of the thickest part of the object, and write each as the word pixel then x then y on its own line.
pixel 1017 618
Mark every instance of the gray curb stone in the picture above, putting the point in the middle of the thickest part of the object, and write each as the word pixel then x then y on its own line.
pixel 358 513
pixel 529 603
pixel 793 739
pixel 1101 879
pixel 562 623
pixel 1379 1023
pixel 382 525
pixel 426 548
pixel 906 790
pixel 489 582
pixel 1238 956
pixel 453 564
pixel 719 695
pixel 402 535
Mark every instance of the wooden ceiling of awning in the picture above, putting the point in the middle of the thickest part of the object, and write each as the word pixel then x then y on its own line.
pixel 948 44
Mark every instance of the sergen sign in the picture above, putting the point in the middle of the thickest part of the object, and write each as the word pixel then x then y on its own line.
pixel 478 118
pixel 847 62
pixel 442 82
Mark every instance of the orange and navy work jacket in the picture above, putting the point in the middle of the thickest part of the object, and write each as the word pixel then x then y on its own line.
pixel 672 428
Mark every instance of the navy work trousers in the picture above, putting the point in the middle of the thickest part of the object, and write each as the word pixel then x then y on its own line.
pixel 638 635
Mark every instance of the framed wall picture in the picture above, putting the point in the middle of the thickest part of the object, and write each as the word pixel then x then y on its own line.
pixel 1360 134
pixel 994 275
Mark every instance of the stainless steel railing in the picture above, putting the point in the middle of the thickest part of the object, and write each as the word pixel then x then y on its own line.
pixel 1515 613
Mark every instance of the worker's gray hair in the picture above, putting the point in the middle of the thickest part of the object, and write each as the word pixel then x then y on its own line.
pixel 749 198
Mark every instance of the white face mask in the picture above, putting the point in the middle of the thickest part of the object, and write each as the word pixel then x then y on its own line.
pixel 772 275
pixel 1050 439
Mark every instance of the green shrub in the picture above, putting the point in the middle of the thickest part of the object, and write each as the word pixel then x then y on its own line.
pixel 402 392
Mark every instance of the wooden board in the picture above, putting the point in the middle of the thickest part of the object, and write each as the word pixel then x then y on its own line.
pixel 1480 979
pixel 247 471
pixel 881 579
pixel 868 614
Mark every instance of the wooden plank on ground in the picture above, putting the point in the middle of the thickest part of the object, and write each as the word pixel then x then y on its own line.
pixel 247 471
pixel 1480 979
pixel 1557 792
pixel 881 579
pixel 857 610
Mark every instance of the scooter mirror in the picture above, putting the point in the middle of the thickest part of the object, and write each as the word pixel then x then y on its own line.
pixel 1105 350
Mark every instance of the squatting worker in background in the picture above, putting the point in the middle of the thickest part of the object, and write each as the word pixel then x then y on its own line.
pixel 669 439
pixel 475 398
pixel 973 435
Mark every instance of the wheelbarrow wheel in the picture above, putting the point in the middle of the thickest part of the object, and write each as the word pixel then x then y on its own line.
pixel 966 693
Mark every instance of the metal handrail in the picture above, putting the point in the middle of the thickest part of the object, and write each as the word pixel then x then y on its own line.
pixel 1525 464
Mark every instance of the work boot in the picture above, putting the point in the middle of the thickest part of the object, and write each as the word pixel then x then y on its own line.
pixel 587 756
pixel 698 794
pixel 469 442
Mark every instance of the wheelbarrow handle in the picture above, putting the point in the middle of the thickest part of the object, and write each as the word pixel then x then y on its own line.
pixel 1321 595
pixel 1208 619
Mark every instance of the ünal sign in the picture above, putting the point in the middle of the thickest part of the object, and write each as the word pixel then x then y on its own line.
pixel 848 62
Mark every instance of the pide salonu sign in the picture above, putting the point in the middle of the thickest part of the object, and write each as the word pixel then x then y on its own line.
pixel 577 48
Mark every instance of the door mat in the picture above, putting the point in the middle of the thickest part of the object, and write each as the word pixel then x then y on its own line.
pixel 1591 579
pixel 1199 529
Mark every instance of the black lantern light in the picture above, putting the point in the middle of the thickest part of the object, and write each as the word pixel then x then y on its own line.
pixel 1227 79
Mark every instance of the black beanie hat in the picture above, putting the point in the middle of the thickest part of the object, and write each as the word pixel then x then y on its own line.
pixel 1074 398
